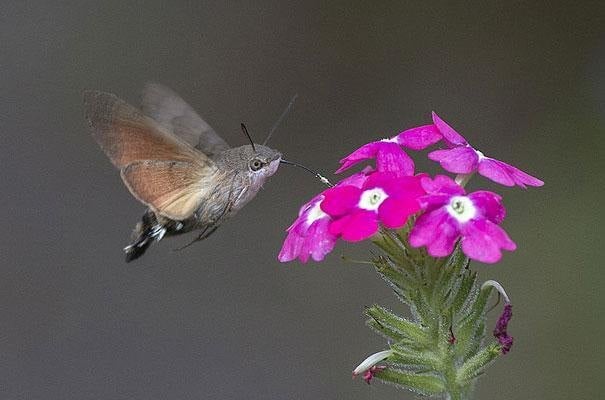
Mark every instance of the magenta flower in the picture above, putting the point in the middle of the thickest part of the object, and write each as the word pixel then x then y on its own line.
pixel 449 214
pixel 506 341
pixel 309 236
pixel 384 198
pixel 389 156
pixel 462 158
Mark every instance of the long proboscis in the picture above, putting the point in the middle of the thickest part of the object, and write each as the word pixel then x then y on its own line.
pixel 319 176
pixel 280 119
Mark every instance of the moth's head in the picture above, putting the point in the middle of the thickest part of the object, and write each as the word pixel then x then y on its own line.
pixel 261 161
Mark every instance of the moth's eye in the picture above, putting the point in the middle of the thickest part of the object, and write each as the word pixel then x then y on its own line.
pixel 256 164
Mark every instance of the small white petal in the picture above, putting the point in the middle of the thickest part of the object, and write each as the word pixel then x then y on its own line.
pixel 496 285
pixel 371 361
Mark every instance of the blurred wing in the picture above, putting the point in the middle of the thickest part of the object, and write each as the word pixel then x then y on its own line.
pixel 173 189
pixel 170 110
pixel 160 169
pixel 127 136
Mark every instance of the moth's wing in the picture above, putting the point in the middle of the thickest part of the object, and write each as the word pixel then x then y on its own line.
pixel 126 135
pixel 174 189
pixel 170 110
pixel 160 169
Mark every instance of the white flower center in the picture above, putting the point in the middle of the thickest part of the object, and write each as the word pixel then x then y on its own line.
pixel 315 213
pixel 461 208
pixel 372 199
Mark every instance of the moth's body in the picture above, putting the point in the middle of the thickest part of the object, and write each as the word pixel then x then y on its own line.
pixel 230 191
pixel 172 161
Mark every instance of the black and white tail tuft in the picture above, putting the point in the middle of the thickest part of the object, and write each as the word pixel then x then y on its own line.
pixel 145 233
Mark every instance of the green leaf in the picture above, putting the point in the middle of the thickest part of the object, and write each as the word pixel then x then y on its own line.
pixel 424 384
pixel 475 366
pixel 450 278
pixel 400 279
pixel 386 331
pixel 410 356
pixel 464 290
pixel 390 322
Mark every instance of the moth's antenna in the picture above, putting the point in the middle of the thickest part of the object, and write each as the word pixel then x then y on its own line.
pixel 322 178
pixel 245 130
pixel 281 117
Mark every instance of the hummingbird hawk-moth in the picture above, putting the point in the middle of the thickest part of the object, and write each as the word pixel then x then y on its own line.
pixel 173 162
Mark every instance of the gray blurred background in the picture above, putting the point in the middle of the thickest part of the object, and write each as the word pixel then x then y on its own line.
pixel 523 81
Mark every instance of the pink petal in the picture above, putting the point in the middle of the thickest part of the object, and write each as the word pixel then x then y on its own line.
pixel 394 213
pixel 379 179
pixel 392 158
pixel 357 179
pixel 404 187
pixel 494 171
pixel 291 248
pixel 319 240
pixel 435 230
pixel 505 174
pixel 482 241
pixel 308 237
pixel 340 199
pixel 394 185
pixel 304 241
pixel 420 137
pixel 355 227
pixel 365 152
pixel 459 160
pixel 389 157
pixel 489 205
pixel 432 201
pixel 441 184
pixel 452 137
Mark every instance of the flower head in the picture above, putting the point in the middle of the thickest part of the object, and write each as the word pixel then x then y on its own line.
pixel 450 214
pixel 462 158
pixel 383 198
pixel 389 156
pixel 309 235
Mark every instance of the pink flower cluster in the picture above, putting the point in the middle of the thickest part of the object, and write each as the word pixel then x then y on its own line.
pixel 387 195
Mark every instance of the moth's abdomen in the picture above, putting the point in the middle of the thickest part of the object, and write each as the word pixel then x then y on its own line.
pixel 217 204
